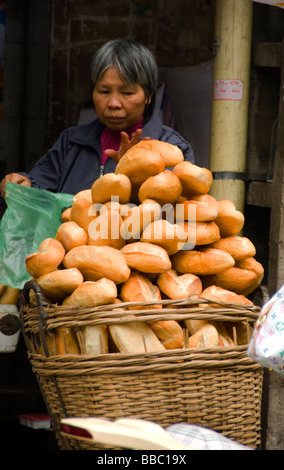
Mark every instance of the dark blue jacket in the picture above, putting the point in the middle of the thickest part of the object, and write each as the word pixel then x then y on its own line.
pixel 74 161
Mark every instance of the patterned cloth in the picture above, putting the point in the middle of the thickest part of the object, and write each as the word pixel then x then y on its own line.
pixel 200 438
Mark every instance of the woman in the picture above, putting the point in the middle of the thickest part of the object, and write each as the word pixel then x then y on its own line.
pixel 124 80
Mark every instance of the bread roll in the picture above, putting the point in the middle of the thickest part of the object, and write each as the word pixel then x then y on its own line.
pixel 216 293
pixel 50 344
pixel 83 212
pixel 194 179
pixel 179 287
pixel 200 208
pixel 48 257
pixel 107 229
pixel 235 279
pixel 229 220
pixel 111 186
pixel 171 154
pixel 238 247
pixel 140 163
pixel 84 194
pixel 251 264
pixel 95 339
pixel 138 288
pixel 65 216
pixel 146 257
pixel 194 325
pixel 206 337
pixel 165 188
pixel 136 218
pixel 169 332
pixel 60 283
pixel 135 338
pixel 66 341
pixel 92 293
pixel 9 295
pixel 202 262
pixel 171 237
pixel 201 233
pixel 96 262
pixel 70 234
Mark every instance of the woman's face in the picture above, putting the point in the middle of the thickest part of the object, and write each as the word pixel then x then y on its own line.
pixel 118 105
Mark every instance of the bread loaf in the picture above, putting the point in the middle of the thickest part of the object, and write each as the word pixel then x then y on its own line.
pixel 202 262
pixel 171 154
pixel 60 283
pixel 251 264
pixel 171 237
pixel 135 338
pixel 201 233
pixel 84 194
pixel 96 262
pixel 229 220
pixel 48 257
pixel 111 186
pixel 146 257
pixel 140 163
pixel 169 332
pixel 92 293
pixel 107 229
pixel 220 294
pixel 136 218
pixel 179 287
pixel 83 212
pixel 70 234
pixel 200 208
pixel 194 179
pixel 95 339
pixel 9 295
pixel 138 288
pixel 165 188
pixel 238 247
pixel 235 279
pixel 206 337
pixel 65 216
pixel 66 341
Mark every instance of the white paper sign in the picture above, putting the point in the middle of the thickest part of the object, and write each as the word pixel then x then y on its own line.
pixel 228 90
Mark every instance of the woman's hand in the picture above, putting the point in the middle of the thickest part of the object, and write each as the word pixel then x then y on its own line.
pixel 14 178
pixel 125 145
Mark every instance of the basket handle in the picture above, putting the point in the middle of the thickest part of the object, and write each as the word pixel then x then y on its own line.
pixel 42 303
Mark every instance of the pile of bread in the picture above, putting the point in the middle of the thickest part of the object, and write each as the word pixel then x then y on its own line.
pixel 108 251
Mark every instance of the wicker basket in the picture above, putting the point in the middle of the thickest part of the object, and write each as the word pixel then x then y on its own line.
pixel 218 388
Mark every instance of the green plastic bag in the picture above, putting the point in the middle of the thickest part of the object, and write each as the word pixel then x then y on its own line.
pixel 31 216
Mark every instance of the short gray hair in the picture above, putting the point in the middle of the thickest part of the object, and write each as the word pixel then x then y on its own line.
pixel 134 63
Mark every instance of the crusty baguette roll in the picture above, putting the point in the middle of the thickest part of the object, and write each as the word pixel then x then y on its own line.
pixel 83 212
pixel 216 293
pixel 235 279
pixel 65 216
pixel 201 233
pixel 179 286
pixel 84 194
pixel 60 283
pixel 200 208
pixel 138 288
pixel 206 337
pixel 9 295
pixel 95 339
pixel 171 237
pixel 169 332
pixel 202 262
pixel 111 186
pixel 171 154
pixel 238 247
pixel 48 257
pixel 50 344
pixel 194 325
pixel 136 218
pixel 92 293
pixel 135 338
pixel 96 262
pixel 140 163
pixel 146 257
pixel 66 341
pixel 107 229
pixel 194 179
pixel 229 220
pixel 165 188
pixel 251 264
pixel 70 234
